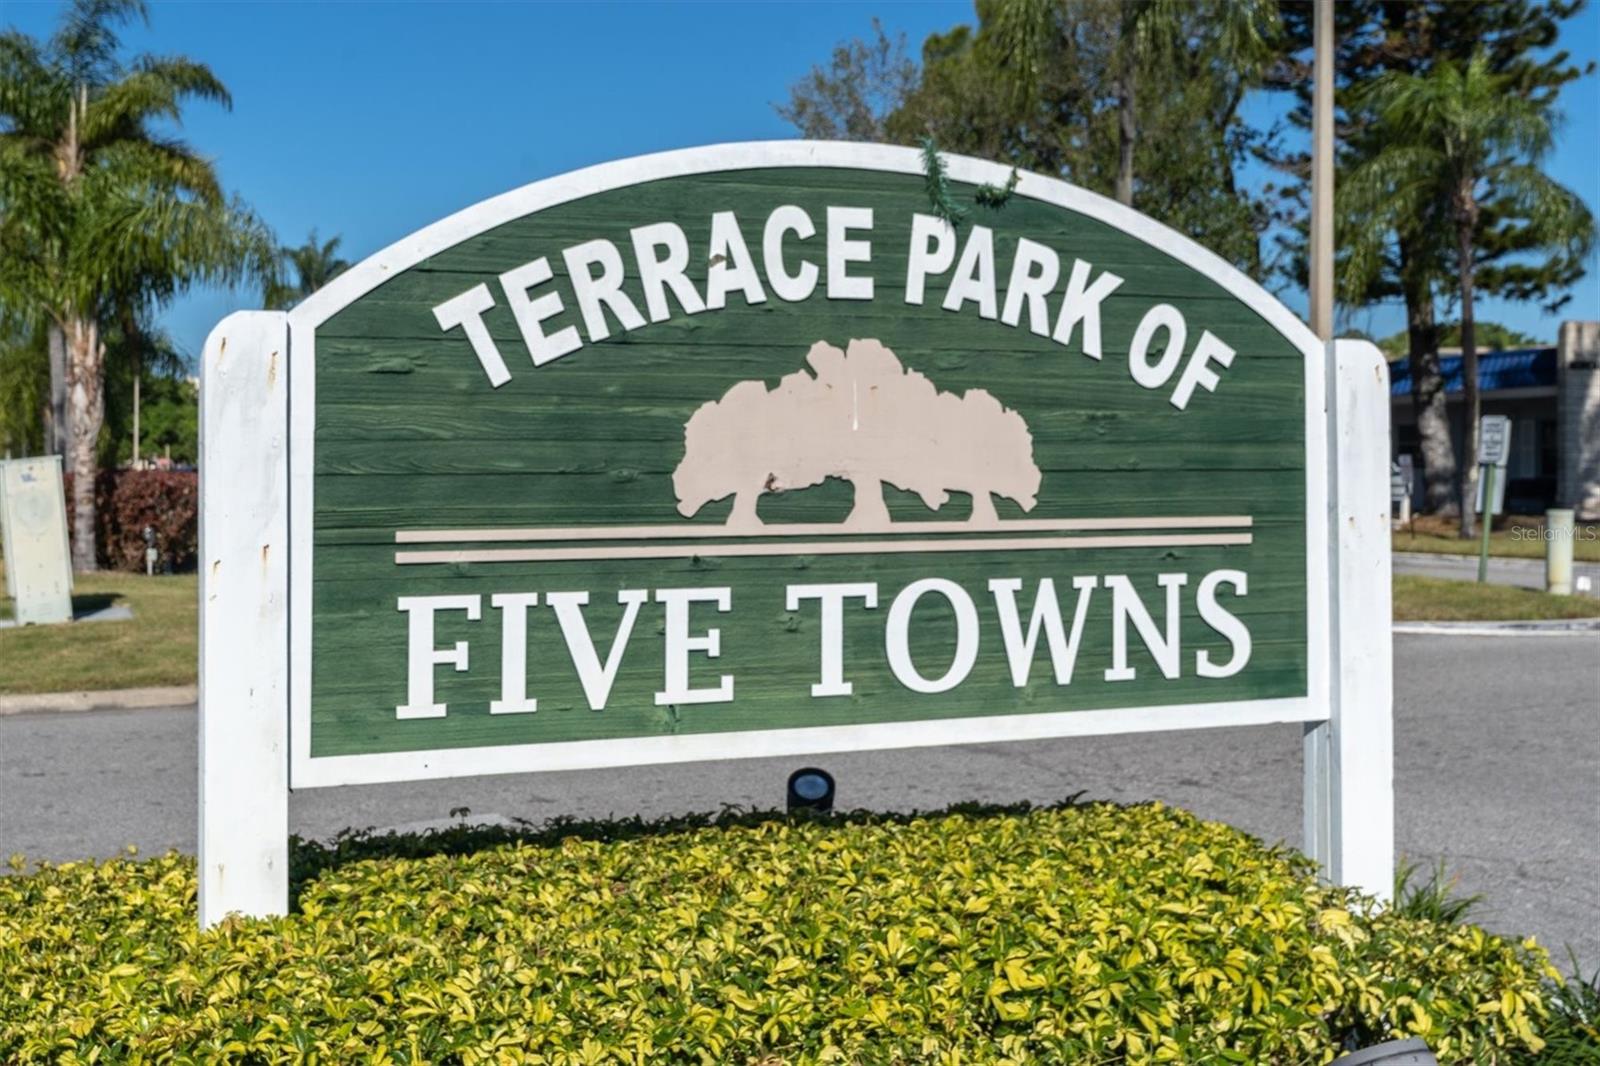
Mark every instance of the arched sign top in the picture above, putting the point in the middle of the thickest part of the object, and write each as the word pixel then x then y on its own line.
pixel 740 449
pixel 537 196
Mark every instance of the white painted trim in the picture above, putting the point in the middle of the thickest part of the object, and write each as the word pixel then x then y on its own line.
pixel 687 531
pixel 689 549
pixel 446 233
pixel 695 747
pixel 244 623
pixel 751 155
pixel 302 445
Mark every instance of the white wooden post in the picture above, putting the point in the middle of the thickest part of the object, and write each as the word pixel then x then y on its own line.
pixel 1349 760
pixel 244 617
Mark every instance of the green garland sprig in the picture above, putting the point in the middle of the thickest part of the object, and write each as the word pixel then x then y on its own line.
pixel 936 182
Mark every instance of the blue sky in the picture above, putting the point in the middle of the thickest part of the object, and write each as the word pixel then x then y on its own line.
pixel 372 119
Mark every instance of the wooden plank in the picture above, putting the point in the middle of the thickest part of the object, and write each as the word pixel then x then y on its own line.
pixel 409 434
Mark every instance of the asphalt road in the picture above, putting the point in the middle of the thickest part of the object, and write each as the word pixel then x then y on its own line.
pixel 1503 570
pixel 1497 745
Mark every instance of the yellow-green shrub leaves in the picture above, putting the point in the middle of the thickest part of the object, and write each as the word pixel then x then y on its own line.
pixel 1075 934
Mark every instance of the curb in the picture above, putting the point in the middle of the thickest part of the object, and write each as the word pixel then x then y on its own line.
pixel 1526 561
pixel 115 699
pixel 1575 627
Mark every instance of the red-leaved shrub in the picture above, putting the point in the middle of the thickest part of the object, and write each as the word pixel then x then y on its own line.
pixel 128 500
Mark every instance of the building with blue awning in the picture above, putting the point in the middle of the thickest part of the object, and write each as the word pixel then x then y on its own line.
pixel 1552 396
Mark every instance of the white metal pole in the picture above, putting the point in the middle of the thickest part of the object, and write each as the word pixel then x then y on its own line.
pixel 244 618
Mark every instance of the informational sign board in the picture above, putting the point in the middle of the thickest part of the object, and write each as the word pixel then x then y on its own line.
pixel 33 530
pixel 741 451
pixel 1408 473
pixel 1494 440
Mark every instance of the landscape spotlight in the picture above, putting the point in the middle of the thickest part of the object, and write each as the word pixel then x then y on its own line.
pixel 1393 1053
pixel 811 789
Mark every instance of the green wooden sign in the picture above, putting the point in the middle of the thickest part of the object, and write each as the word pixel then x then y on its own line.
pixel 741 451
pixel 747 451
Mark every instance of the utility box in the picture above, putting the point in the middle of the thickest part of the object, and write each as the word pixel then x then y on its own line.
pixel 33 527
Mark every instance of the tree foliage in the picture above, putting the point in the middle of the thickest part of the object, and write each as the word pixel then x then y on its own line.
pixel 103 213
pixel 1493 336
pixel 1454 138
pixel 24 387
pixel 1040 84
pixel 313 264
pixel 1413 257
pixel 851 100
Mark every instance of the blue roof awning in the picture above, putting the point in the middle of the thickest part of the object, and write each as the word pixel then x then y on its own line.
pixel 1512 368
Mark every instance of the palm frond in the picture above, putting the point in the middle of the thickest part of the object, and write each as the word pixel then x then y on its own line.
pixel 87 42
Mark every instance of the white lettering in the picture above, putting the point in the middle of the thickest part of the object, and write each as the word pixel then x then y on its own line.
pixel 596 679
pixel 513 608
pixel 467 311
pixel 1046 615
pixel 1196 372
pixel 842 252
pixel 676 689
pixel 897 634
pixel 731 266
pixel 531 314
pixel 597 294
pixel 1161 316
pixel 1125 604
pixel 1034 272
pixel 1224 622
pixel 832 597
pixel 933 249
pixel 422 656
pixel 790 287
pixel 658 274
pixel 1081 303
pixel 974 276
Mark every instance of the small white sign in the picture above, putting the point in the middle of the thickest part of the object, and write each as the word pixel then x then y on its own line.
pixel 1494 440
pixel 33 526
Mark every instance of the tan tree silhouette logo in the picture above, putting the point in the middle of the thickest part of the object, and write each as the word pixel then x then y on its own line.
pixel 866 419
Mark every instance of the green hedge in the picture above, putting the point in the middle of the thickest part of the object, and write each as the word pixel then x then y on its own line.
pixel 1073 934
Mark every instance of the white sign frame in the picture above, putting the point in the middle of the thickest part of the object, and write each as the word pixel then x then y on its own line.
pixel 257 429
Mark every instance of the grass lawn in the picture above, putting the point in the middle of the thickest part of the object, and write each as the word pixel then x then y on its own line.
pixel 1519 536
pixel 157 647
pixel 1430 599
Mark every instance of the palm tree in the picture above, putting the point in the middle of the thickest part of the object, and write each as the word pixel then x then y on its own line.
pixel 314 264
pixel 1458 135
pixel 102 215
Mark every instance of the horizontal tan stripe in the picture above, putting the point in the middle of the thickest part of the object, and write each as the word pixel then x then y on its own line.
pixel 860 547
pixel 811 529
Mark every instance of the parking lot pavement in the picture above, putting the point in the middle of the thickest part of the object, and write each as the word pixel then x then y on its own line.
pixel 1523 573
pixel 1497 748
